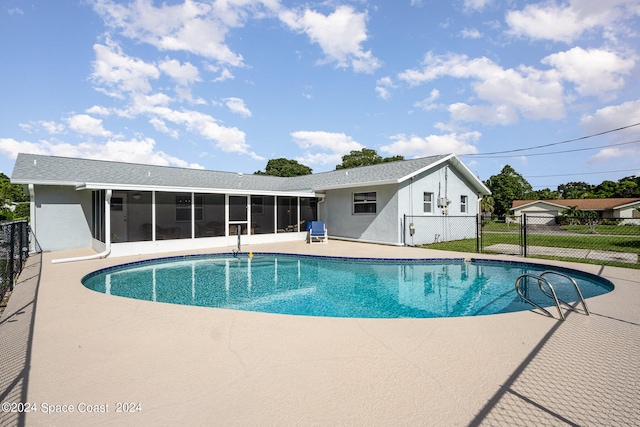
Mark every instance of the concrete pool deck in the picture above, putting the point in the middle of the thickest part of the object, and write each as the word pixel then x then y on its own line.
pixel 72 348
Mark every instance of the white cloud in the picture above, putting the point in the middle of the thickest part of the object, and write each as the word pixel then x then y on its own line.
pixel 499 114
pixel 133 151
pixel 548 22
pixel 121 73
pixel 611 154
pixel 161 126
pixel 505 94
pixel 614 117
pixel 417 146
pixel 339 35
pixel 191 26
pixel 332 146
pixel 52 127
pixel 427 103
pixel 126 76
pixel 236 105
pixel 98 110
pixel 567 21
pixel 383 87
pixel 87 125
pixel 594 71
pixel 225 74
pixel 470 33
pixel 184 74
pixel 227 139
pixel 475 5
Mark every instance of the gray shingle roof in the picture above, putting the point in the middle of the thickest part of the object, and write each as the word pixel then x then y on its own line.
pixel 30 168
pixel 38 169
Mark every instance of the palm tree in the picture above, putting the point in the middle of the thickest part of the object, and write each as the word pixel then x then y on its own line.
pixel 572 213
pixel 487 205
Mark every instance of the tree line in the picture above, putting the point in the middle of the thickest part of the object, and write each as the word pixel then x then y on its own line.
pixel 288 168
pixel 14 203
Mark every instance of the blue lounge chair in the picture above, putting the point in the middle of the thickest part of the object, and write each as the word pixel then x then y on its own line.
pixel 317 232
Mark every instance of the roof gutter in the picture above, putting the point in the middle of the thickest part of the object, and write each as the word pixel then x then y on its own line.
pixel 107 232
pixel 130 187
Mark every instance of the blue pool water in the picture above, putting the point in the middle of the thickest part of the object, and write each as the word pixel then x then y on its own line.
pixel 337 287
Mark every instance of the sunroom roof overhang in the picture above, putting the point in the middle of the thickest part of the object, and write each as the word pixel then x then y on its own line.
pixel 206 190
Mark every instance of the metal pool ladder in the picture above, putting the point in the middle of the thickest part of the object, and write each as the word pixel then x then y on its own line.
pixel 541 279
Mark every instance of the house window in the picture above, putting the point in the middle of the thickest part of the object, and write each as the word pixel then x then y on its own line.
pixel 428 202
pixel 183 207
pixel 364 203
pixel 463 204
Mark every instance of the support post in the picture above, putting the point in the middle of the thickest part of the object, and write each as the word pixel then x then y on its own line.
pixel 524 234
pixel 11 260
pixel 478 231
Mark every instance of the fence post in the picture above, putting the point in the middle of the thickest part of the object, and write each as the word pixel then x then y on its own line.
pixel 21 243
pixel 524 234
pixel 478 230
pixel 11 260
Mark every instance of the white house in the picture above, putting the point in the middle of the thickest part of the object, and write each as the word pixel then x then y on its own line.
pixel 124 208
pixel 545 211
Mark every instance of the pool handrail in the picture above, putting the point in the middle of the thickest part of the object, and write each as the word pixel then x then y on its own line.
pixel 540 280
pixel 575 285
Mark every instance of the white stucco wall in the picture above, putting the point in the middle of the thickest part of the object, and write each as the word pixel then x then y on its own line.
pixel 62 218
pixel 382 227
pixel 440 181
pixel 443 181
pixel 395 201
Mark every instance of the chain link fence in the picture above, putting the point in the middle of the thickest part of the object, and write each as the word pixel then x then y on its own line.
pixel 582 239
pixel 15 245
pixel 420 230
pixel 613 241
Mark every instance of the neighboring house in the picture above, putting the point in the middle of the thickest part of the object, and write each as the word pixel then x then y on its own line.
pixel 124 208
pixel 545 211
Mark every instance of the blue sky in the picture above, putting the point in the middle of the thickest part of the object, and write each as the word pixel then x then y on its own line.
pixel 229 84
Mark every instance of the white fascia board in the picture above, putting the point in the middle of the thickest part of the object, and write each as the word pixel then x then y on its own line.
pixel 45 182
pixel 426 168
pixel 459 164
pixel 544 202
pixel 627 205
pixel 129 187
pixel 535 202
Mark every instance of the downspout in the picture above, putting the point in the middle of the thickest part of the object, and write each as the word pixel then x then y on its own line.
pixel 320 201
pixel 107 238
pixel 32 212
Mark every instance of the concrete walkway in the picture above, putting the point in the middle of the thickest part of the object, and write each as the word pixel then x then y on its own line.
pixel 72 348
pixel 505 248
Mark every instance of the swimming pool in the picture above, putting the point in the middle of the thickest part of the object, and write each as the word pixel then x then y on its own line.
pixel 337 287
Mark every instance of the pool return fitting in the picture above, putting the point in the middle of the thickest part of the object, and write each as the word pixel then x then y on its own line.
pixel 541 279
